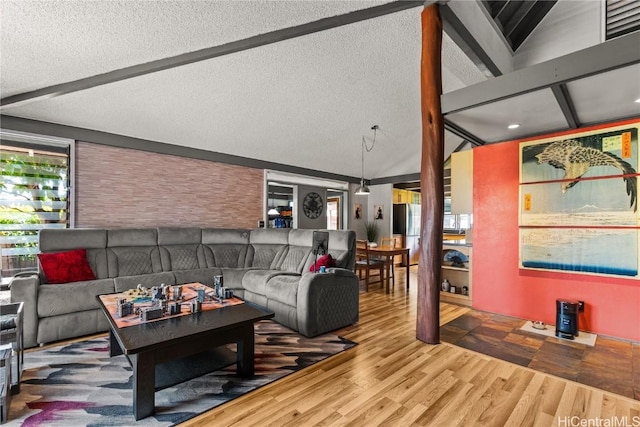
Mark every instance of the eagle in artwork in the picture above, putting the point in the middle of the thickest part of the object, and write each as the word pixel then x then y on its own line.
pixel 576 159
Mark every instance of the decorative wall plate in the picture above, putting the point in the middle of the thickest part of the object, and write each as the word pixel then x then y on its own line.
pixel 312 205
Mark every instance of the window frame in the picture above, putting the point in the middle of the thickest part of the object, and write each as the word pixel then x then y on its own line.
pixel 37 141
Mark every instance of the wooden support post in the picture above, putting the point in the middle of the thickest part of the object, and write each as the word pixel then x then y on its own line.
pixel 431 179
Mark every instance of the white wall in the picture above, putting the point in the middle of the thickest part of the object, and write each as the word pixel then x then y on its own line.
pixel 357 224
pixel 380 195
pixel 570 25
pixel 303 220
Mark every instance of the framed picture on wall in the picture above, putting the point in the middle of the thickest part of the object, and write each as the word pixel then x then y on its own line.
pixel 357 211
pixel 378 212
pixel 579 202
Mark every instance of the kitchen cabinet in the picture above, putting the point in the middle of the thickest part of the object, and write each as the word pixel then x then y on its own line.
pixel 462 182
pixel 406 196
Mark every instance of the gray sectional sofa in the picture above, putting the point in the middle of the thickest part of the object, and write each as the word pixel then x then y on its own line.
pixel 269 267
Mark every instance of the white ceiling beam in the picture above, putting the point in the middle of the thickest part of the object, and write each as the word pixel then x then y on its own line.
pixel 613 54
pixel 565 103
pixel 469 25
pixel 462 133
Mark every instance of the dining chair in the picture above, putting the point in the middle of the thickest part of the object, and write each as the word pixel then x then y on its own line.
pixel 366 262
pixel 391 242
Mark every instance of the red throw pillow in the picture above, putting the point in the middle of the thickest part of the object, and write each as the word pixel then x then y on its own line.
pixel 323 261
pixel 65 267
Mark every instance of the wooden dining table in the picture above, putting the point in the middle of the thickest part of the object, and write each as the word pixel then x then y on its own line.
pixel 388 252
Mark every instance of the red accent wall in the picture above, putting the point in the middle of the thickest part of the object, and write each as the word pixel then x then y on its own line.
pixel 500 286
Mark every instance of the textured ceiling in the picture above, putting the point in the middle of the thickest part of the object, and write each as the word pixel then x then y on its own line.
pixel 50 42
pixel 305 102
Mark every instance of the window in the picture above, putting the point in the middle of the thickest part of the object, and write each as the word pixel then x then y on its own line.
pixel 455 222
pixel 35 193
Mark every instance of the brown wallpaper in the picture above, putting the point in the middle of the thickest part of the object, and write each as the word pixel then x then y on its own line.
pixel 120 187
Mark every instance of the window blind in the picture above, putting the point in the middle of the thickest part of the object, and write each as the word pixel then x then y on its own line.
pixel 622 17
pixel 34 194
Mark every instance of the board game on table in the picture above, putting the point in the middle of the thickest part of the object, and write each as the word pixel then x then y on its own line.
pixel 143 299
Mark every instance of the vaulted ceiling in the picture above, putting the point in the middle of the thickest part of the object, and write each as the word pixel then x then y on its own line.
pixel 299 83
pixel 516 19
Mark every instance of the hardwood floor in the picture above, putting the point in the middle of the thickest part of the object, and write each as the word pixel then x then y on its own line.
pixel 392 379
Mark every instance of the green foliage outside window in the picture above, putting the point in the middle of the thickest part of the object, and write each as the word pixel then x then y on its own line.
pixel 33 195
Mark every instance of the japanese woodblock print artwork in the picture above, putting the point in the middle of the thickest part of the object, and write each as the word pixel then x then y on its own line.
pixel 579 202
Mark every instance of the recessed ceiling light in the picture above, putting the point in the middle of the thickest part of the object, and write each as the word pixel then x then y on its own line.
pixel 514 126
pixel 637 100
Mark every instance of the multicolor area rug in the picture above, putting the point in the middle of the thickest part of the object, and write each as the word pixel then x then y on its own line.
pixel 80 385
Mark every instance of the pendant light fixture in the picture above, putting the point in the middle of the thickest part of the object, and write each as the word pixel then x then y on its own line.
pixel 363 190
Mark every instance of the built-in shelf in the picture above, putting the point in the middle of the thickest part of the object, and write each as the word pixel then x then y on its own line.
pixel 457 276
pixel 449 267
pixel 456 296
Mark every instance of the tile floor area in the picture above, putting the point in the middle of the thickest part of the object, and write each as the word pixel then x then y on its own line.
pixel 612 364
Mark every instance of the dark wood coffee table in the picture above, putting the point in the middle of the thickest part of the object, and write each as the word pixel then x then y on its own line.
pixel 170 351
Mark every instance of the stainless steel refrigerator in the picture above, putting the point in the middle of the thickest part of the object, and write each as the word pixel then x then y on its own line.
pixel 406 227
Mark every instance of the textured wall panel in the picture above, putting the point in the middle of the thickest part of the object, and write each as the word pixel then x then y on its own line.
pixel 120 187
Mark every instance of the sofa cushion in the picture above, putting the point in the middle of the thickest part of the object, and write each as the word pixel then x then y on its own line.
pixel 265 256
pixel 232 278
pixel 65 267
pixel 225 247
pixel 269 236
pixel 179 236
pixel 218 236
pixel 132 237
pixel 342 247
pixel 98 261
pixel 180 248
pixel 267 248
pixel 256 280
pixel 284 289
pixel 180 257
pixel 60 239
pixel 201 275
pixel 295 258
pixel 227 255
pixel 63 239
pixel 71 325
pixel 54 300
pixel 133 251
pixel 133 261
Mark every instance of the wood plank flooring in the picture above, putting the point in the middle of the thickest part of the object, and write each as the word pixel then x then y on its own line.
pixel 392 379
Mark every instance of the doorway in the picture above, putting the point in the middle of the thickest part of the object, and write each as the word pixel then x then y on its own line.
pixel 282 201
pixel 333 213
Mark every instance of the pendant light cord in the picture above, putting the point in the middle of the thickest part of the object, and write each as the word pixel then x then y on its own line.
pixel 365 147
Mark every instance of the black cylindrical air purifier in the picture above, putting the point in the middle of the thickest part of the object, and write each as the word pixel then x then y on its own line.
pixel 567 318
